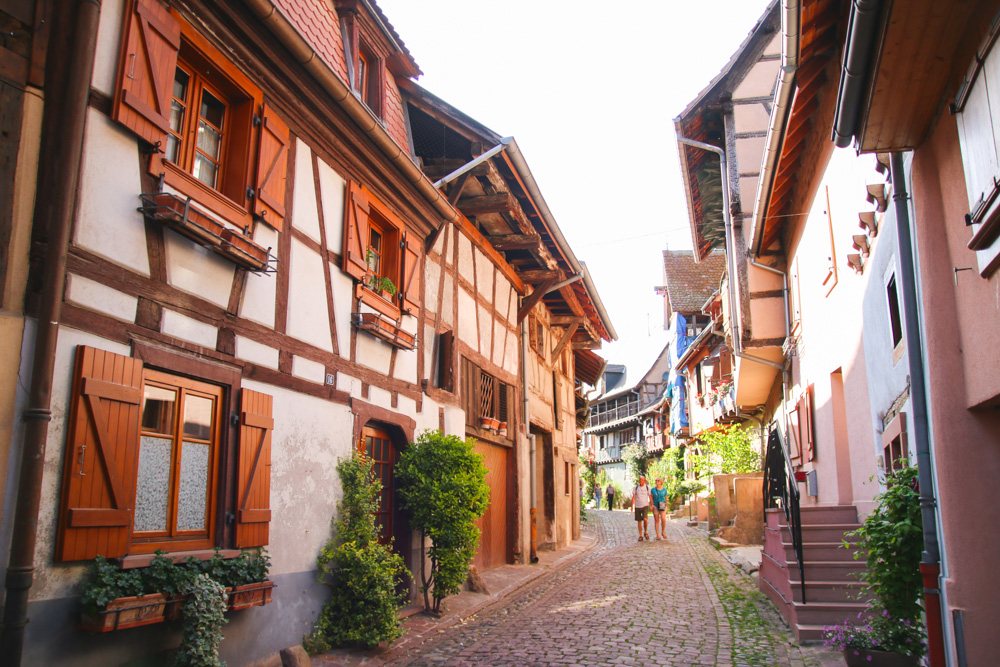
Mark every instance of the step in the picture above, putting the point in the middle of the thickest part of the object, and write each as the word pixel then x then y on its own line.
pixel 809 634
pixel 824 551
pixel 842 571
pixel 826 613
pixel 834 532
pixel 819 515
pixel 825 591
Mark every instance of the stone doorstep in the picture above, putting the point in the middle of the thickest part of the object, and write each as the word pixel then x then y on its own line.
pixel 419 627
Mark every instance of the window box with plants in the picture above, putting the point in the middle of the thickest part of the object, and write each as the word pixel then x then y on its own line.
pixel 116 599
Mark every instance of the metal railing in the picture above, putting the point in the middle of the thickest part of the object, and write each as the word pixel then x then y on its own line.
pixel 781 490
pixel 614 414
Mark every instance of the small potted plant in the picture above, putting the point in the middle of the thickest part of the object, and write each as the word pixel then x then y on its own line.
pixel 166 577
pixel 248 578
pixel 115 599
pixel 877 641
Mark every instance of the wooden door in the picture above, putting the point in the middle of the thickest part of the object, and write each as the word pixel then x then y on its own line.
pixel 493 524
pixel 377 446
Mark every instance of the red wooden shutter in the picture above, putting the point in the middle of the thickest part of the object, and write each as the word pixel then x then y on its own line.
pixel 147 62
pixel 355 249
pixel 272 169
pixel 253 497
pixel 411 274
pixel 102 454
pixel 806 415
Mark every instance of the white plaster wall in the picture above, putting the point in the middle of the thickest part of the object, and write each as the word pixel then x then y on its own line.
pixel 750 117
pixel 260 293
pixel 109 31
pixel 447 313
pixel 432 280
pixel 406 360
pixel 748 152
pixel 309 435
pixel 380 397
pixel 305 216
pixel 499 340
pixel 56 582
pixel 485 329
pixel 502 299
pixel 465 257
pixel 108 222
pixel 510 360
pixel 484 275
pixel 95 296
pixel 308 319
pixel 467 331
pixel 349 384
pixel 258 353
pixel 374 353
pixel 343 295
pixel 191 330
pixel 194 269
pixel 307 369
pixel 427 346
pixel 332 189
pixel 760 80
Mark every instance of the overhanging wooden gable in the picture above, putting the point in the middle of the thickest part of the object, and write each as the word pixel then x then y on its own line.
pixel 818 48
pixel 925 48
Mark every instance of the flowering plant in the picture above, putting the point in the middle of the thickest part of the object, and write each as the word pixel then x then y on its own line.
pixel 879 632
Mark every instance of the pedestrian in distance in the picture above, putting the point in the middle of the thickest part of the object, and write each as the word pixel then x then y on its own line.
pixel 611 496
pixel 640 504
pixel 597 490
pixel 659 509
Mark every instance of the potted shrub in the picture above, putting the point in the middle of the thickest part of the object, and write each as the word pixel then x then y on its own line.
pixel 166 577
pixel 115 599
pixel 890 540
pixel 247 576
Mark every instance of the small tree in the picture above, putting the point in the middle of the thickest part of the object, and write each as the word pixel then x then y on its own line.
pixel 363 609
pixel 730 450
pixel 666 468
pixel 442 485
pixel 634 455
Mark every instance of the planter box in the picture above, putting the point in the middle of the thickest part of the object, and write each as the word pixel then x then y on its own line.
pixel 250 595
pixel 123 613
pixel 243 251
pixel 385 329
pixel 184 217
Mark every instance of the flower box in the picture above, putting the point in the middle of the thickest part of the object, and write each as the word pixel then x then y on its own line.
pixel 385 329
pixel 250 595
pixel 123 613
pixel 182 216
pixel 243 251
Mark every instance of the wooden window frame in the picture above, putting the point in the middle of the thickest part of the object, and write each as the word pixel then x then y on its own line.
pixel 174 539
pixel 211 69
pixel 894 444
pixel 894 311
pixel 499 406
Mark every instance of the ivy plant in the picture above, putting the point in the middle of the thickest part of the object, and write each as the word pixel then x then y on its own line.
pixel 204 617
pixel 106 581
pixel 442 485
pixel 365 575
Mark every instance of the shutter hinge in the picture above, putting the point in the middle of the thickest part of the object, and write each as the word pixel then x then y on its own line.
pixel 250 193
pixel 230 518
pixel 256 120
pixel 234 419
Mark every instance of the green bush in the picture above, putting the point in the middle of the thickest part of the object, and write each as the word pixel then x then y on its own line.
pixel 364 574
pixel 204 611
pixel 107 581
pixel 730 450
pixel 442 484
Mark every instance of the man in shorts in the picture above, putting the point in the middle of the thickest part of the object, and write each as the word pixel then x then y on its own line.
pixel 640 503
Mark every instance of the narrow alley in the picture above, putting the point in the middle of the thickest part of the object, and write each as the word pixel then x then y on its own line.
pixel 675 603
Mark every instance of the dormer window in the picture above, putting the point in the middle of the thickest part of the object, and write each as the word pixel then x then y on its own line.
pixel 368 77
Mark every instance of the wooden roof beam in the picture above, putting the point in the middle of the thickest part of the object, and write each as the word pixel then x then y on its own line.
pixel 516 241
pixel 500 202
pixel 538 276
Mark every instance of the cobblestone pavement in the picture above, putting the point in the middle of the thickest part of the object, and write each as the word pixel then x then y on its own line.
pixel 676 603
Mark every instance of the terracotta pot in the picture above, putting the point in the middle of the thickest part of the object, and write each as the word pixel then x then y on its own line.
pixel 123 613
pixel 859 657
pixel 250 595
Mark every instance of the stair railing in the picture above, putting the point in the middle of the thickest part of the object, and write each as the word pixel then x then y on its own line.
pixel 781 490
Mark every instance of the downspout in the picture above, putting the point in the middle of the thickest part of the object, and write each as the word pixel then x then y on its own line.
pixel 790 24
pixel 313 62
pixel 532 473
pixel 862 28
pixel 930 562
pixel 58 178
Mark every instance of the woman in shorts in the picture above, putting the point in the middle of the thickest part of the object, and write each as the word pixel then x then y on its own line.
pixel 659 504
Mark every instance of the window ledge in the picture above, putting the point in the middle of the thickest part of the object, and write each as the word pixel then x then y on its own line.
pixel 208 197
pixel 375 299
pixel 382 328
pixel 144 560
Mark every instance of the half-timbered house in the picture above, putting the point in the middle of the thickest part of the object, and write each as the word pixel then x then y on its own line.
pixel 247 276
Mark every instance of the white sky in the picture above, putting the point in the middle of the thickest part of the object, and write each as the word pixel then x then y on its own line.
pixel 589 90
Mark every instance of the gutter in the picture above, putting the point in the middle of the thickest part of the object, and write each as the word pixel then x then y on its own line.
pixel 63 123
pixel 930 562
pixel 862 30
pixel 790 27
pixel 289 36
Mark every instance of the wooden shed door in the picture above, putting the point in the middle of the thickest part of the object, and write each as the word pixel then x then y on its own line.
pixel 493 524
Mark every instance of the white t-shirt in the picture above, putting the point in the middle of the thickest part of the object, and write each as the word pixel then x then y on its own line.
pixel 641 495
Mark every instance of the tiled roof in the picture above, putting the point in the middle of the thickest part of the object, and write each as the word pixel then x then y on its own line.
pixel 689 284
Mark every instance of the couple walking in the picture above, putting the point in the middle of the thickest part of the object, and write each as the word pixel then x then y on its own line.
pixel 642 498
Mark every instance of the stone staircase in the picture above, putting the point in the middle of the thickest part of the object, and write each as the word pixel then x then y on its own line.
pixel 830 569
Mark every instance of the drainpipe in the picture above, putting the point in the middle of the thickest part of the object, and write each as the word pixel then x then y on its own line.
pixel 930 562
pixel 532 473
pixel 862 31
pixel 790 24
pixel 58 177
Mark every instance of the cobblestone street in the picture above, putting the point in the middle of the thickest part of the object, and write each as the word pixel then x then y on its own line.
pixel 674 603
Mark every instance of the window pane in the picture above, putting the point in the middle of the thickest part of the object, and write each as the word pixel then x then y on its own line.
pixel 198 417
pixel 213 109
pixel 209 140
pixel 369 451
pixel 173 148
pixel 191 496
pixel 152 491
pixel 158 406
pixel 205 170
pixel 378 449
pixel 181 80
